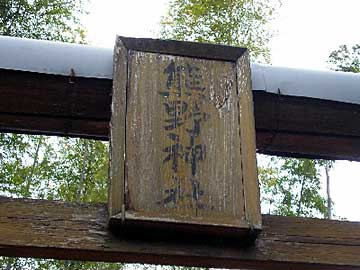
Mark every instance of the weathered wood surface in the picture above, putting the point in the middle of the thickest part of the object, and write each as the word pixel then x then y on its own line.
pixel 296 126
pixel 184 48
pixel 292 126
pixel 248 144
pixel 117 131
pixel 35 228
pixel 183 154
pixel 59 105
pixel 189 134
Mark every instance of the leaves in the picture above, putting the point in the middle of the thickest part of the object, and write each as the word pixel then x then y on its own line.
pixel 42 19
pixel 82 170
pixel 346 59
pixel 29 264
pixel 291 187
pixel 53 168
pixel 242 23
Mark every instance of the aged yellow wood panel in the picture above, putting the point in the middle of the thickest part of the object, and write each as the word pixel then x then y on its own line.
pixel 248 144
pixel 117 130
pixel 183 146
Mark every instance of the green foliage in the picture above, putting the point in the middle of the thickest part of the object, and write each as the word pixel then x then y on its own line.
pixel 42 19
pixel 30 264
pixel 22 168
pixel 346 59
pixel 239 23
pixel 291 187
pixel 53 168
pixel 82 170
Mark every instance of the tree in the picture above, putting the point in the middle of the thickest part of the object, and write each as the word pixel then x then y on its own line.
pixel 346 59
pixel 291 187
pixel 235 22
pixel 42 19
pixel 328 165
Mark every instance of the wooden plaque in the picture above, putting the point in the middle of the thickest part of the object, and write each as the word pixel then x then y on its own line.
pixel 183 138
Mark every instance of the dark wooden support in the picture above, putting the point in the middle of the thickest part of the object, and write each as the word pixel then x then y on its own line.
pixel 306 127
pixel 285 125
pixel 52 229
pixel 55 105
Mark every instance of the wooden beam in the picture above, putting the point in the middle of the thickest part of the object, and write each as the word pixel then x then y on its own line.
pixel 54 105
pixel 52 229
pixel 285 125
pixel 306 127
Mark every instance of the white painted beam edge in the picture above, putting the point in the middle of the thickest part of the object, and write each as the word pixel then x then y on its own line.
pixel 56 58
pixel 92 62
pixel 328 85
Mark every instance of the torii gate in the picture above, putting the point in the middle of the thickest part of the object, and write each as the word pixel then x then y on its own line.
pixel 65 89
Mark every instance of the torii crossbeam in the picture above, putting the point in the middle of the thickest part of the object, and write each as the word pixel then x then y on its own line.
pixel 65 89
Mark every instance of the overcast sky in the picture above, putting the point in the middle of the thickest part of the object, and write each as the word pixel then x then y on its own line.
pixel 306 32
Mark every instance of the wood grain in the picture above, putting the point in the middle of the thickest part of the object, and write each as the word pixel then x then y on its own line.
pixel 183 158
pixel 155 188
pixel 117 131
pixel 248 144
pixel 52 229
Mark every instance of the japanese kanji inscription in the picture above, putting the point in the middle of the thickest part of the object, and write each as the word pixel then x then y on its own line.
pixel 182 136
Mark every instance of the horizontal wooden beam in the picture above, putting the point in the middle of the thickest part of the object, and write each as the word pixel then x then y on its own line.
pixel 306 127
pixel 69 106
pixel 52 229
pixel 54 105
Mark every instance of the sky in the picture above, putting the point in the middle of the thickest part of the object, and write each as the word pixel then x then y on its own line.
pixel 306 31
